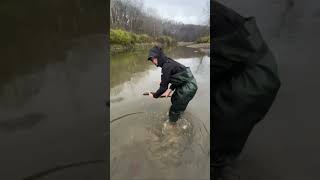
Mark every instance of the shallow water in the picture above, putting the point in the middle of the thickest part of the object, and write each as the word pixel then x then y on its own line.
pixel 141 147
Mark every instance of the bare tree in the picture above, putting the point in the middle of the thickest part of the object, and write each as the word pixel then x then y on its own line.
pixel 132 16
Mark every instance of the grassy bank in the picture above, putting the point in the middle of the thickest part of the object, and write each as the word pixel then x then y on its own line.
pixel 205 39
pixel 122 40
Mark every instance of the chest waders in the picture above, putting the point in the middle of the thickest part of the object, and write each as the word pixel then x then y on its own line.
pixel 186 88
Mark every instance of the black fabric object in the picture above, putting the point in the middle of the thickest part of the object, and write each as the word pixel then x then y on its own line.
pixel 225 20
pixel 169 68
pixel 186 88
pixel 245 81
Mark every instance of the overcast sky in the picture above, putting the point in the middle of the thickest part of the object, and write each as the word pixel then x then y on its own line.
pixel 185 11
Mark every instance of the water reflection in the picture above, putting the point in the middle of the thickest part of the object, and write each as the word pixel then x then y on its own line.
pixel 27 121
pixel 48 103
pixel 124 65
pixel 52 87
pixel 20 90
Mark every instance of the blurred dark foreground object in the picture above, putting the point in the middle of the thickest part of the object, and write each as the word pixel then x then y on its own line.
pixel 245 84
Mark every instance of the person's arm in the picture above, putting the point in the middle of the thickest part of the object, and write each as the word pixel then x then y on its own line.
pixel 172 87
pixel 165 78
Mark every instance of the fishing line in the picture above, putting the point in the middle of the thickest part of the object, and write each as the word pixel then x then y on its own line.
pixel 118 118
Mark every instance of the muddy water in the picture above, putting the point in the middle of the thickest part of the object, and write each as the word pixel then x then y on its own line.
pixel 142 147
pixel 52 112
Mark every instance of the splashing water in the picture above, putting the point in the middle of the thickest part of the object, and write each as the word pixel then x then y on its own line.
pixel 154 149
pixel 167 143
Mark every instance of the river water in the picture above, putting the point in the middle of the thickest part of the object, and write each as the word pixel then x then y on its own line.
pixel 52 111
pixel 139 145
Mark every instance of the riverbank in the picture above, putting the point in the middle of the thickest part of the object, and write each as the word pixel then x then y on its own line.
pixel 118 48
pixel 200 46
pixel 203 47
pixel 122 40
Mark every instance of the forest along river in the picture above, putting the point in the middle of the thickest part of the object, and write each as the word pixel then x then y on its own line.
pixel 140 149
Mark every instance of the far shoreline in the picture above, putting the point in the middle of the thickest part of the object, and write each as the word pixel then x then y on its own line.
pixel 203 47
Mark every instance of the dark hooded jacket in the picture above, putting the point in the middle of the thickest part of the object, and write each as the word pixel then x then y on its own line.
pixel 169 68
pixel 245 79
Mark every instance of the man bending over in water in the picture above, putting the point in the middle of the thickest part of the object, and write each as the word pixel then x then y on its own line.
pixel 181 79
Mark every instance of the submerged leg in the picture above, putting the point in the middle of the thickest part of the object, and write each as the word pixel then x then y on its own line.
pixel 180 101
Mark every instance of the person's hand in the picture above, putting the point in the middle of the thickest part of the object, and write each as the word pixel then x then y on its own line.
pixel 150 94
pixel 167 93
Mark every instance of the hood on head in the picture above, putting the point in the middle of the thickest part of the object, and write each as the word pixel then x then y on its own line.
pixel 157 53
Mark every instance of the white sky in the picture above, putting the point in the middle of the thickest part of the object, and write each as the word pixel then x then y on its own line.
pixel 185 11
